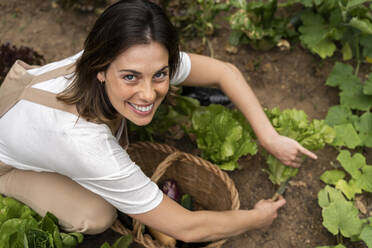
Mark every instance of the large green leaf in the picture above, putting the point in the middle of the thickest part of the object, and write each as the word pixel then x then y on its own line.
pixel 364 127
pixel 332 176
pixel 324 48
pixel 364 25
pixel 349 189
pixel 367 88
pixel 315 34
pixel 346 136
pixel 353 97
pixel 366 235
pixel 356 166
pixel 340 215
pixel 352 164
pixel 340 114
pixel 342 76
pixel 364 181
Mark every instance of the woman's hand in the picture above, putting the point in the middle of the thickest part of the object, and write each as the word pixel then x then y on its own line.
pixel 288 151
pixel 268 211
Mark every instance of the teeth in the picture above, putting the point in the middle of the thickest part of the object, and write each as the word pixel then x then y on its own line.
pixel 142 108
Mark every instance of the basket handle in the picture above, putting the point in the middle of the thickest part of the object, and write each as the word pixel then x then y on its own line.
pixel 163 166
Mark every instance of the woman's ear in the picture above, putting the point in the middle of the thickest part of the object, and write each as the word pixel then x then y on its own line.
pixel 101 76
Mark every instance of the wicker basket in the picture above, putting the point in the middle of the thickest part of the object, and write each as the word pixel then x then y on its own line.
pixel 209 186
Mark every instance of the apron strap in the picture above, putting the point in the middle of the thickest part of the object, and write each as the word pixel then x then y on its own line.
pixel 4 168
pixel 60 71
pixel 48 99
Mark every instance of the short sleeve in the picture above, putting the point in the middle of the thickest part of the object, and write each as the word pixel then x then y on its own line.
pixel 105 168
pixel 183 69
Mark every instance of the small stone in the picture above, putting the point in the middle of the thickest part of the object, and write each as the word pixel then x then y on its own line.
pixel 297 183
pixel 360 205
pixel 283 45
pixel 231 49
pixel 268 67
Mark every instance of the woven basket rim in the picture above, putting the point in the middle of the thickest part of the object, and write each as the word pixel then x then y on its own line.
pixel 146 240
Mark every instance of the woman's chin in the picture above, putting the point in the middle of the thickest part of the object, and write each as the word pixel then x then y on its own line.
pixel 140 122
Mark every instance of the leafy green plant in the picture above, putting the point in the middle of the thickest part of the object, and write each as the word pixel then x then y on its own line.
pixel 20 226
pixel 196 18
pixel 122 242
pixel 360 172
pixel 340 216
pixel 312 135
pixel 331 25
pixel 223 135
pixel 352 119
pixel 256 23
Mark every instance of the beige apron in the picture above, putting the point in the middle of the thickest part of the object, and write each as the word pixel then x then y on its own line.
pixel 16 86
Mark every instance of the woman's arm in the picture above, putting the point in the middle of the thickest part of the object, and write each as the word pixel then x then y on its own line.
pixel 198 226
pixel 209 72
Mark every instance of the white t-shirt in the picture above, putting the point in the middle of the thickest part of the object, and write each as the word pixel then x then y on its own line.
pixel 39 138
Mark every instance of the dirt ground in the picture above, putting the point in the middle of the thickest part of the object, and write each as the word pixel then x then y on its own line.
pixel 288 79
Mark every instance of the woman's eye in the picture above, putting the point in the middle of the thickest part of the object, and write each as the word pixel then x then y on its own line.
pixel 129 77
pixel 160 75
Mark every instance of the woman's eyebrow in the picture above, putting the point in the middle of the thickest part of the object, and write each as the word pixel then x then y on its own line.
pixel 138 73
pixel 131 71
pixel 162 69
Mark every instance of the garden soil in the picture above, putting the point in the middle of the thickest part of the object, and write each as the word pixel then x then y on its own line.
pixel 291 78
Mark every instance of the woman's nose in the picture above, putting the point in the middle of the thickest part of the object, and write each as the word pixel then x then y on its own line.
pixel 148 92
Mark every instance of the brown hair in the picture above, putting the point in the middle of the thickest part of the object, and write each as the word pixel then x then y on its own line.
pixel 122 25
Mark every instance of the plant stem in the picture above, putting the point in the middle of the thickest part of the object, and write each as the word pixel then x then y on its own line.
pixel 339 239
pixel 357 50
pixel 211 51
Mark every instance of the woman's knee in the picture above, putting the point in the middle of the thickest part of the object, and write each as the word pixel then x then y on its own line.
pixel 94 219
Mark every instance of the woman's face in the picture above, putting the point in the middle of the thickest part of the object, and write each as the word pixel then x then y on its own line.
pixel 137 81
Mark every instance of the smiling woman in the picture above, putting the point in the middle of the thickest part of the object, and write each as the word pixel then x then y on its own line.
pixel 60 152
pixel 137 81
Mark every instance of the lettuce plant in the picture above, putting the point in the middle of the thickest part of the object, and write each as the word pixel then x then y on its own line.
pixel 223 135
pixel 312 135
pixel 20 226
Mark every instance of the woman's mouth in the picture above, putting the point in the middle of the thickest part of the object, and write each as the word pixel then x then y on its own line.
pixel 142 109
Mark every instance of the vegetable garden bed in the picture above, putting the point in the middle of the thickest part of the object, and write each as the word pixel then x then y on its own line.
pixel 294 78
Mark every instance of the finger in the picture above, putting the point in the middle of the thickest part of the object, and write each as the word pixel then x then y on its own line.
pixel 308 153
pixel 275 197
pixel 294 164
pixel 298 160
pixel 280 202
